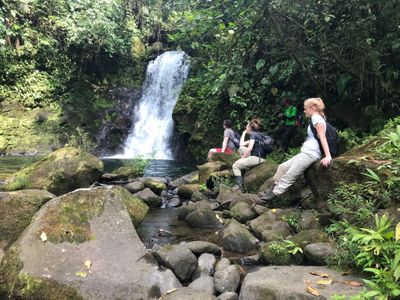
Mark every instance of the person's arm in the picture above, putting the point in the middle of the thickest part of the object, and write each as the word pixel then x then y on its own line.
pixel 242 142
pixel 225 143
pixel 326 161
pixel 248 149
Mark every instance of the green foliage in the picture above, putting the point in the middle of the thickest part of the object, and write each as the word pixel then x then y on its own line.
pixel 350 138
pixel 139 163
pixel 18 183
pixel 81 139
pixel 292 248
pixel 379 254
pixel 293 221
pixel 218 180
pixel 280 156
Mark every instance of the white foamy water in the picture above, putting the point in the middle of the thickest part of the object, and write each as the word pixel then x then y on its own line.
pixel 153 126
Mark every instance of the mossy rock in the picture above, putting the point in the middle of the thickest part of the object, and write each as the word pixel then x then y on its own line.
pixel 276 253
pixel 61 172
pixel 255 177
pixel 227 159
pixel 208 168
pixel 185 191
pixel 243 212
pixel 16 212
pixel 347 168
pixel 306 237
pixel 137 209
pixel 237 238
pixel 155 185
pixel 127 172
pixel 16 285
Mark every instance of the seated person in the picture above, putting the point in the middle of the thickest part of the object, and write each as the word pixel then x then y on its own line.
pixel 228 146
pixel 310 152
pixel 252 155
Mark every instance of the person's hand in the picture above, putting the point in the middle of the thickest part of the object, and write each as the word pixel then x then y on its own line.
pixel 326 161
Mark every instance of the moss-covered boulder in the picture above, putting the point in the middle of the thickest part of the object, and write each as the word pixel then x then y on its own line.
pixel 149 197
pixel 192 177
pixel 277 253
pixel 243 212
pixel 269 226
pixel 204 219
pixel 155 184
pixel 185 191
pixel 208 168
pixel 83 245
pixel 16 212
pixel 184 210
pixel 61 172
pixel 227 159
pixel 306 237
pixel 255 177
pixel 347 168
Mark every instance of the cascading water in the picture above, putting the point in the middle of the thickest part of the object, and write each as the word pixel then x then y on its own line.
pixel 152 124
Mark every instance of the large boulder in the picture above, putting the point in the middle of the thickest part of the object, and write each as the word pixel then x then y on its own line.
pixel 204 218
pixel 203 284
pixel 200 247
pixel 290 282
pixel 185 191
pixel 318 253
pixel 237 238
pixel 205 266
pixel 192 177
pixel 83 245
pixel 61 172
pixel 347 168
pixel 276 253
pixel 227 279
pixel 184 210
pixel 155 184
pixel 311 236
pixel 255 177
pixel 149 197
pixel 243 212
pixel 16 212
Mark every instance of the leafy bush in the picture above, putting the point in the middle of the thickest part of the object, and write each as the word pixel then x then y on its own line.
pixel 81 139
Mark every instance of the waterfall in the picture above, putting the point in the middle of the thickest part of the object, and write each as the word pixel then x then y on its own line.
pixel 152 124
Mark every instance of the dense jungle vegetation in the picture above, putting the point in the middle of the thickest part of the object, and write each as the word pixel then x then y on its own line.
pixel 59 59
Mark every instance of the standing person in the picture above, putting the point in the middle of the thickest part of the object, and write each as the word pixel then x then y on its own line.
pixel 310 152
pixel 228 146
pixel 286 131
pixel 252 155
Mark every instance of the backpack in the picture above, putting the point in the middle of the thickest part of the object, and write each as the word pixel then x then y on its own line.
pixel 236 139
pixel 266 143
pixel 332 137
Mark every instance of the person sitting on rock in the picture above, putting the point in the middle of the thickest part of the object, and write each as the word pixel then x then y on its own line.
pixel 228 146
pixel 310 152
pixel 251 155
pixel 286 131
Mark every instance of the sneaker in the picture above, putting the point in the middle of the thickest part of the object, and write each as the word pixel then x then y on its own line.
pixel 268 196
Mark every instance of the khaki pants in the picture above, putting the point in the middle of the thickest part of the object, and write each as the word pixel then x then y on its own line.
pixel 288 171
pixel 245 164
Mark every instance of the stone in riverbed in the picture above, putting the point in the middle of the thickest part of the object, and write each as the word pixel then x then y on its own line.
pixel 188 293
pixel 204 219
pixel 155 184
pixel 185 191
pixel 306 237
pixel 200 247
pixel 228 279
pixel 243 212
pixel 205 266
pixel 134 187
pixel 149 197
pixel 203 284
pixel 228 296
pixel 237 238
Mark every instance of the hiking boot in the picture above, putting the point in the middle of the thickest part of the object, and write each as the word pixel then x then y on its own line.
pixel 257 200
pixel 238 183
pixel 268 196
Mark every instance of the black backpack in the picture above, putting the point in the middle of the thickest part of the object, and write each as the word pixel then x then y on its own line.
pixel 332 137
pixel 236 140
pixel 266 143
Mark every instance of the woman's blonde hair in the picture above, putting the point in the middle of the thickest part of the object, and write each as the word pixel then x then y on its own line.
pixel 317 104
pixel 255 124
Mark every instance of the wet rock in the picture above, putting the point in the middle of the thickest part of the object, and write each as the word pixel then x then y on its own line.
pixel 103 234
pixel 205 266
pixel 228 296
pixel 16 212
pixel 228 279
pixel 149 197
pixel 247 260
pixel 306 237
pixel 204 219
pixel 200 247
pixel 198 196
pixel 61 172
pixel 162 232
pixel 276 253
pixel 179 259
pixel 237 238
pixel 255 177
pixel 263 222
pixel 185 191
pixel 155 184
pixel 188 293
pixel 184 210
pixel 222 264
pixel 134 187
pixel 317 253
pixel 243 212
pixel 267 283
pixel 203 284
pixel 192 177
pixel 174 202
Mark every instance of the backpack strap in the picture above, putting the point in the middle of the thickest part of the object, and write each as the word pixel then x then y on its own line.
pixel 314 131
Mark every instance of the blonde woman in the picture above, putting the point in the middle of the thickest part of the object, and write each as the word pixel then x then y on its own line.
pixel 310 152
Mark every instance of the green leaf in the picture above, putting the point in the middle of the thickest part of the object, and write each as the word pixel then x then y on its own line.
pixel 260 63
